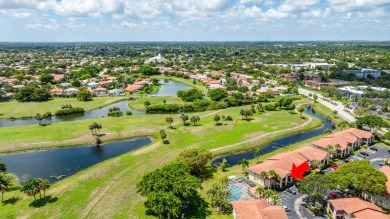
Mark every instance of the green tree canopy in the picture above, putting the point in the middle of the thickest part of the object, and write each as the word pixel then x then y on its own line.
pixel 84 95
pixel 371 121
pixel 196 160
pixel 190 95
pixel 148 70
pixel 169 189
pixel 361 176
pixel 217 94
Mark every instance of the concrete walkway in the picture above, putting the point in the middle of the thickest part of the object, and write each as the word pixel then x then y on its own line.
pixel 340 108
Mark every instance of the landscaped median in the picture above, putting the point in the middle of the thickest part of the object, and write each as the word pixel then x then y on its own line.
pixel 87 193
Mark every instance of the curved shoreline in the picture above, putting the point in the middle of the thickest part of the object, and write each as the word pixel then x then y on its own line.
pixel 232 146
pixel 152 138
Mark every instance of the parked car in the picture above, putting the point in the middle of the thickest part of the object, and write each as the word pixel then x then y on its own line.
pixel 365 153
pixel 334 166
pixel 347 160
pixel 287 209
pixel 373 148
pixel 291 191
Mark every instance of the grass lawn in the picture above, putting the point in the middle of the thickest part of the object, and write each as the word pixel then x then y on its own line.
pixel 138 104
pixel 108 189
pixel 22 109
pixel 325 111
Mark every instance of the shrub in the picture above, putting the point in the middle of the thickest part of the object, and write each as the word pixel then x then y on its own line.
pixel 129 113
pixel 69 111
pixel 163 134
pixel 270 107
pixel 228 118
pixel 98 140
pixel 147 103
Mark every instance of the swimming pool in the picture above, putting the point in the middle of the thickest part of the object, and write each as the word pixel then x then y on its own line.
pixel 236 193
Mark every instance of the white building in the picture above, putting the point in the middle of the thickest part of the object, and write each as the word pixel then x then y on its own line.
pixel 364 73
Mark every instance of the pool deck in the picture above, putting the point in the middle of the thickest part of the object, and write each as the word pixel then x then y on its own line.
pixel 246 186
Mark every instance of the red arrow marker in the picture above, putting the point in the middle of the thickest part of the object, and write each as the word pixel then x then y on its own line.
pixel 298 171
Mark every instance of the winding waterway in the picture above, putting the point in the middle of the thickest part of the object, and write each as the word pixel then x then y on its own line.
pixel 55 164
pixel 233 159
pixel 168 88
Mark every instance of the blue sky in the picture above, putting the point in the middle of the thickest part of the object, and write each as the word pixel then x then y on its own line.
pixel 194 20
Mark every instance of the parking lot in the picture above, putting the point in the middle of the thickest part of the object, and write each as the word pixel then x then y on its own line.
pixel 376 158
pixel 296 208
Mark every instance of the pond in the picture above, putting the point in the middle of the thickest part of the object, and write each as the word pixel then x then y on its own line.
pixel 55 164
pixel 233 159
pixel 168 88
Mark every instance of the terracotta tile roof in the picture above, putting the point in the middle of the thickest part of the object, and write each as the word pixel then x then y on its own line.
pixel 282 163
pixel 386 171
pixel 343 138
pixel 257 209
pixel 133 87
pixel 368 213
pixel 353 205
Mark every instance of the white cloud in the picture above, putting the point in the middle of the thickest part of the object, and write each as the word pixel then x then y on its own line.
pixel 358 5
pixel 50 25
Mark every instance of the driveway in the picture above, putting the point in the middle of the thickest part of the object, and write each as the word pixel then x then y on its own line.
pixel 339 107
pixel 296 204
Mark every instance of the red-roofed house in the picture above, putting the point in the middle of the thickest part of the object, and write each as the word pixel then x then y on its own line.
pixel 99 92
pixel 350 138
pixel 257 209
pixel 133 88
pixel 56 92
pixel 346 208
pixel 282 165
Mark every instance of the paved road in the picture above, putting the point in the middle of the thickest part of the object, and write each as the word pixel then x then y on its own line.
pixel 339 107
pixel 296 205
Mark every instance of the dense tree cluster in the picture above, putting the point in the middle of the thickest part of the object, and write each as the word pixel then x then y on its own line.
pixel 190 95
pixel 32 93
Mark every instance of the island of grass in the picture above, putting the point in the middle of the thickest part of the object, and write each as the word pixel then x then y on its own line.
pixel 139 104
pixel 88 193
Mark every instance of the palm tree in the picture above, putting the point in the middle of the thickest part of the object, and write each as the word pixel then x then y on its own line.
pixel 269 193
pixel 257 154
pixel 260 191
pixel 275 199
pixel 43 184
pixel 315 97
pixel 224 181
pixel 244 163
pixel 337 147
pixel 98 127
pixel 242 113
pixel 184 117
pixel 92 127
pixel 169 120
pixel 30 187
pixel 300 110
pixel 316 164
pixel 342 125
pixel 7 181
pixel 217 118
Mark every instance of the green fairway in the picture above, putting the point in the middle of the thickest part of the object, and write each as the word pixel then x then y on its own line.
pixel 24 109
pixel 139 104
pixel 89 192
